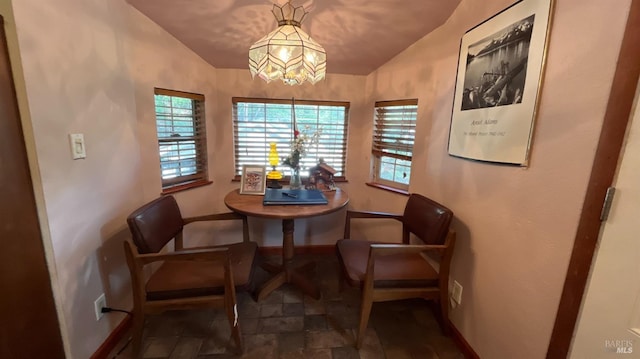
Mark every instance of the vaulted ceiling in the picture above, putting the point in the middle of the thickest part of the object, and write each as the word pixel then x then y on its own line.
pixel 358 35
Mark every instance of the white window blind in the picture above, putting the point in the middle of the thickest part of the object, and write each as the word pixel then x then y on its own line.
pixel 258 122
pixel 181 137
pixel 393 139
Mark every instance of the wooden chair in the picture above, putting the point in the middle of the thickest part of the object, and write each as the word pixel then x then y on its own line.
pixel 386 272
pixel 184 278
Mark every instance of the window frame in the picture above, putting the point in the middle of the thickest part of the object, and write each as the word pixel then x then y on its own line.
pixel 380 148
pixel 199 139
pixel 283 145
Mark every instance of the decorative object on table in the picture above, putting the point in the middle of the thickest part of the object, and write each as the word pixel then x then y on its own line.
pixel 321 177
pixel 498 84
pixel 295 181
pixel 274 175
pixel 253 179
pixel 288 53
pixel 299 145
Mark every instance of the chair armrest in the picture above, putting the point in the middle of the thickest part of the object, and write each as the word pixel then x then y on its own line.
pixel 214 217
pixel 222 217
pixel 211 254
pixel 388 249
pixel 367 214
pixel 370 214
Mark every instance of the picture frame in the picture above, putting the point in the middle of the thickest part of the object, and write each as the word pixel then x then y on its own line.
pixel 253 180
pixel 498 84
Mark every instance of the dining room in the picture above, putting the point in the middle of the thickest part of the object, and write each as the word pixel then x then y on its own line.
pixel 99 68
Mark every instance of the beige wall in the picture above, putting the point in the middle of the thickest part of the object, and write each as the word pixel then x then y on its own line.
pixel 90 67
pixel 75 80
pixel 515 225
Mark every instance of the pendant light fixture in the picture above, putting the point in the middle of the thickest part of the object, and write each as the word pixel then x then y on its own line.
pixel 288 53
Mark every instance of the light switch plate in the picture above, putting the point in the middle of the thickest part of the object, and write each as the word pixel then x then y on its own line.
pixel 78 151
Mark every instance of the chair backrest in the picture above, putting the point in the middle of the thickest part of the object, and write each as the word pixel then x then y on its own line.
pixel 155 224
pixel 427 219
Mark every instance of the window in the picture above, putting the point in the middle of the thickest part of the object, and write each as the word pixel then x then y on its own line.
pixel 258 122
pixel 393 136
pixel 182 141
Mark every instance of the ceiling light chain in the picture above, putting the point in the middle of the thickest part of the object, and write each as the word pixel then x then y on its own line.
pixel 288 53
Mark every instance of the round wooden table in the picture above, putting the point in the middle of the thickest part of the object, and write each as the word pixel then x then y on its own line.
pixel 252 206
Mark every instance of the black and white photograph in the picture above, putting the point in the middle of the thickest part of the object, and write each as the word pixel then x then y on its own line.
pixel 498 83
pixel 495 74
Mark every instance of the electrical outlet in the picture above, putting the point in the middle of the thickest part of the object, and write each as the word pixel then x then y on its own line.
pixel 456 294
pixel 98 304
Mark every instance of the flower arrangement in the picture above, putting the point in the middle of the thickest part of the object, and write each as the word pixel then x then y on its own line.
pixel 301 142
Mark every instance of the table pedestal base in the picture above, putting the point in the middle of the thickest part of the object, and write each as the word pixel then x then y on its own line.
pixel 287 272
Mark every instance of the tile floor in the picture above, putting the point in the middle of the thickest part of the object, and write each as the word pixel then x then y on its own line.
pixel 287 325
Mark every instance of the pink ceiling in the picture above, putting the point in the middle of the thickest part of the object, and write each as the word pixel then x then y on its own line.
pixel 358 35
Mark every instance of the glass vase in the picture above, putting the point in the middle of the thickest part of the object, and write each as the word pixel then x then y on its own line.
pixel 295 182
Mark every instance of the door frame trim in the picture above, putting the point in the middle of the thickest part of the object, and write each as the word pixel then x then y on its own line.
pixel 616 119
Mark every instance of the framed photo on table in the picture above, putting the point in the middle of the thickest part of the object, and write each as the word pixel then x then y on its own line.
pixel 498 83
pixel 253 179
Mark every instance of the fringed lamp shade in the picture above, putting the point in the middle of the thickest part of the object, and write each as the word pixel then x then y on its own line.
pixel 288 53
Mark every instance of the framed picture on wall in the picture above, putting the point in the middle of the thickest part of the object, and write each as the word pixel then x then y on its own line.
pixel 498 83
pixel 253 179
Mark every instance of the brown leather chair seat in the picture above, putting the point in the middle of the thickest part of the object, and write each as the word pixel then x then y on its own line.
pixel 396 270
pixel 186 278
pixel 176 279
pixel 388 271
